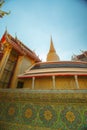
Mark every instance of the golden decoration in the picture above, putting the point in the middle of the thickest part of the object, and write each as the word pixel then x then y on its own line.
pixel 11 111
pixel 28 113
pixel 48 115
pixel 60 129
pixel 70 116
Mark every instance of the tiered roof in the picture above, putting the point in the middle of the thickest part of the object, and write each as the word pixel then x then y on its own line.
pixel 56 68
pixel 81 57
pixel 18 46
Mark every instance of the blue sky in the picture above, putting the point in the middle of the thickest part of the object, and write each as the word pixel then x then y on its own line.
pixel 35 21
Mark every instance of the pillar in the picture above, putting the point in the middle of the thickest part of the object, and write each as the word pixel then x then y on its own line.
pixel 16 72
pixel 76 81
pixel 4 59
pixel 33 82
pixel 53 80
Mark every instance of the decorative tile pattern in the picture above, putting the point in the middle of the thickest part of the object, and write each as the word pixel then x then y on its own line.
pixel 48 116
pixel 11 112
pixel 1 110
pixel 43 111
pixel 28 113
pixel 85 115
pixel 71 117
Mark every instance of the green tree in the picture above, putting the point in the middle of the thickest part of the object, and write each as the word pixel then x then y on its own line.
pixel 2 13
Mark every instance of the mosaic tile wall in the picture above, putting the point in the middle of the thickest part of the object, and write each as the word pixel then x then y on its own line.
pixel 43 111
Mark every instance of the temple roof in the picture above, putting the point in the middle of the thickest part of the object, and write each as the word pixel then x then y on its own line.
pixel 81 57
pixel 52 56
pixel 56 68
pixel 18 46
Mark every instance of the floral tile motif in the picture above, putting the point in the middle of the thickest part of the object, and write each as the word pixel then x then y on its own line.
pixel 48 116
pixel 71 117
pixel 28 114
pixel 11 112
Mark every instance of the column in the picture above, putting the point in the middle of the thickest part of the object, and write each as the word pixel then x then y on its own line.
pixel 33 82
pixel 4 60
pixel 76 81
pixel 53 80
pixel 14 80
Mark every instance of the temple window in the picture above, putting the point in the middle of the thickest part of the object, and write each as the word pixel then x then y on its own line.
pixel 20 84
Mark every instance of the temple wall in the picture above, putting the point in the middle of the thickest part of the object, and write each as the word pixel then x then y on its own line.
pixel 22 64
pixel 22 109
pixel 60 82
pixel 64 82
pixel 26 63
pixel 43 83
pixel 28 83
pixel 16 72
pixel 82 82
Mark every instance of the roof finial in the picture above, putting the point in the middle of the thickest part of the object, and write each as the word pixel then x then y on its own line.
pixel 6 29
pixel 16 36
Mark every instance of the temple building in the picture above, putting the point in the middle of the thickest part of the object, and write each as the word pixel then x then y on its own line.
pixel 15 58
pixel 49 95
pixel 55 74
pixel 21 68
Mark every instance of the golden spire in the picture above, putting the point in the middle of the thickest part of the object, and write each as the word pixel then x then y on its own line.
pixel 52 56
pixel 52 49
